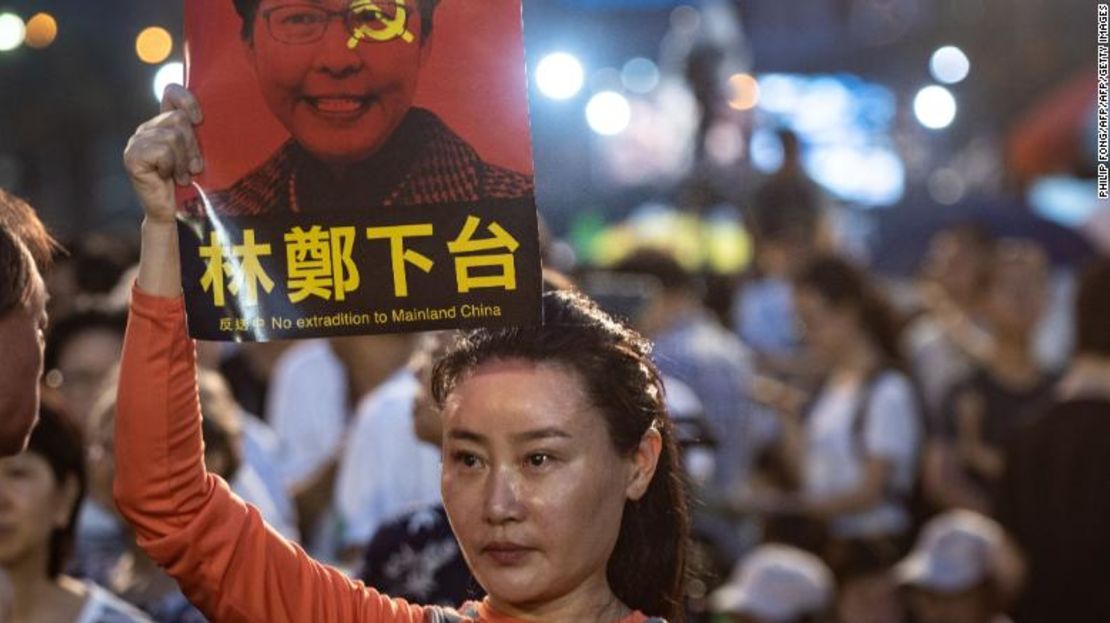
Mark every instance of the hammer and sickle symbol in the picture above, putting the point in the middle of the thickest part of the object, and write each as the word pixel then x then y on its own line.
pixel 387 28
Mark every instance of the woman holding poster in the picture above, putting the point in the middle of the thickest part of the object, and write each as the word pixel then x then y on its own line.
pixel 560 474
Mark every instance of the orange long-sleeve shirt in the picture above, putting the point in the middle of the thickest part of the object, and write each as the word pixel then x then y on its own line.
pixel 229 563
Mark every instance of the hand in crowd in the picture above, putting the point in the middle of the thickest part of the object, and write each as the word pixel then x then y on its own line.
pixel 163 151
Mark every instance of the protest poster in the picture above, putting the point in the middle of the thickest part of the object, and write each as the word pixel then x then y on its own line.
pixel 368 169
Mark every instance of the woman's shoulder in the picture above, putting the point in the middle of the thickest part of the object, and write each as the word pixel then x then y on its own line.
pixel 893 386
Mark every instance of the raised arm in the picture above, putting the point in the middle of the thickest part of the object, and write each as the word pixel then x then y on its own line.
pixel 227 561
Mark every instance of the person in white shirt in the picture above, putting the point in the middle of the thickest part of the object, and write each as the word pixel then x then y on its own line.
pixel 854 450
pixel 311 402
pixel 389 467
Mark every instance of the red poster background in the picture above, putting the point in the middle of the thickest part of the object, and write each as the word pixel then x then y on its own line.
pixel 474 79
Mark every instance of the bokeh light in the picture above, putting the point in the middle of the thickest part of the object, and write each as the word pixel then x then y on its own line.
pixel 560 76
pixel 949 65
pixel 685 19
pixel 42 30
pixel 946 186
pixel 154 45
pixel 743 92
pixel 935 107
pixel 608 113
pixel 170 73
pixel 11 32
pixel 640 75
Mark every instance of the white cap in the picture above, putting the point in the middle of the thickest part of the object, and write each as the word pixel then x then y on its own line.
pixel 955 552
pixel 777 584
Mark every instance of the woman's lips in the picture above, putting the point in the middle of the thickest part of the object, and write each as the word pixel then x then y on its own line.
pixel 339 105
pixel 507 554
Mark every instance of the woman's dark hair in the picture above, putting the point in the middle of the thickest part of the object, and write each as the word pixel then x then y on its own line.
pixel 16 272
pixel 843 285
pixel 248 9
pixel 18 218
pixel 1092 310
pixel 648 566
pixel 59 442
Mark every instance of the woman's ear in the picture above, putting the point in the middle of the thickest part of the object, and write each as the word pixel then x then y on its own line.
pixel 643 463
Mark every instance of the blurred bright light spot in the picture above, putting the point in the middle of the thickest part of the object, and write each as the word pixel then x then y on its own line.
pixel 825 106
pixel 949 65
pixel 946 186
pixel 766 151
pixel 1064 200
pixel 724 144
pixel 743 92
pixel 170 73
pixel 154 45
pixel 560 76
pixel 640 75
pixel 870 175
pixel 42 29
pixel 778 93
pixel 935 107
pixel 11 32
pixel 608 113
pixel 685 19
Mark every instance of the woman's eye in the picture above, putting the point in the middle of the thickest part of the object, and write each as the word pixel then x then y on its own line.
pixel 539 459
pixel 467 459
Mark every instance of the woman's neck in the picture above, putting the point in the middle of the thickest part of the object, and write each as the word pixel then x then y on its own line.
pixel 1011 362
pixel 593 601
pixel 859 358
pixel 40 598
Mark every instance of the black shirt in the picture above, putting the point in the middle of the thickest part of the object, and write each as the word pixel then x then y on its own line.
pixel 1055 500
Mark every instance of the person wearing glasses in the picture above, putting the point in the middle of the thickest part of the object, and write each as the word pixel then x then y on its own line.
pixel 341 75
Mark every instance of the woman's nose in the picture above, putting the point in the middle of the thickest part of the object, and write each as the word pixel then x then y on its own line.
pixel 503 502
pixel 335 55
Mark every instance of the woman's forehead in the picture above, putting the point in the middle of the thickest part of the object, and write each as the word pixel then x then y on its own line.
pixel 517 396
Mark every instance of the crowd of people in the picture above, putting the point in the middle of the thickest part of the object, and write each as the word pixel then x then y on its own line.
pixel 822 451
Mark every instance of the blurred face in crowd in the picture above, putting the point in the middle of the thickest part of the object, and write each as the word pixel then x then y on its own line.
pixel 828 328
pixel 958 263
pixel 340 95
pixel 22 333
pixel 532 483
pixel 83 363
pixel 965 607
pixel 32 505
pixel 1016 297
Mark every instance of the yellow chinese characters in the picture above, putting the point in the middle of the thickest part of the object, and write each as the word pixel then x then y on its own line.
pixel 236 267
pixel 319 263
pixel 399 255
pixel 499 240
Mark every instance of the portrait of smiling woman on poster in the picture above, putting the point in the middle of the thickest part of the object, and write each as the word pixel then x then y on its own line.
pixel 341 77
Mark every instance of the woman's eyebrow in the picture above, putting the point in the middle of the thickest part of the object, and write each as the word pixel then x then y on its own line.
pixel 550 432
pixel 542 433
pixel 466 435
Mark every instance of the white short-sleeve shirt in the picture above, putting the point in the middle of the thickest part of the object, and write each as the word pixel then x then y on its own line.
pixel 837 447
